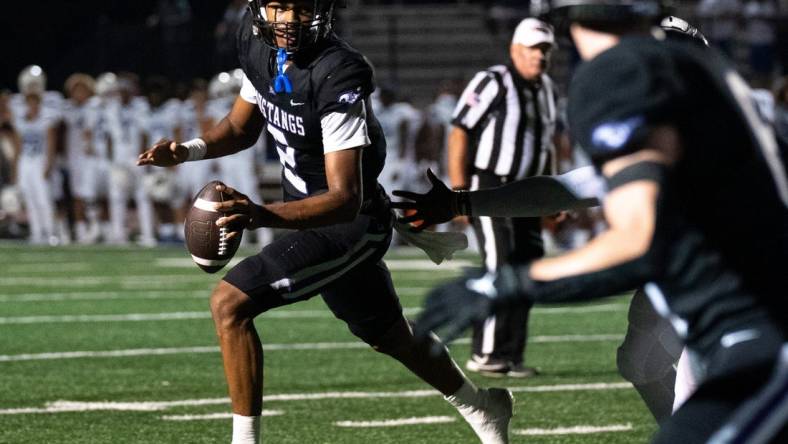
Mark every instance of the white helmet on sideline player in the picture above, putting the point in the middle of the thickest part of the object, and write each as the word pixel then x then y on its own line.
pixel 107 84
pixel 223 85
pixel 32 80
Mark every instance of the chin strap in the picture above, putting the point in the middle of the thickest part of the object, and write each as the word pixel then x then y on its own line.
pixel 282 83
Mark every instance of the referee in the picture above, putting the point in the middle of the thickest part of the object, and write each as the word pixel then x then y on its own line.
pixel 502 130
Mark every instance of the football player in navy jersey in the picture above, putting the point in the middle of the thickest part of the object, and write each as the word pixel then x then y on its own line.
pixel 310 90
pixel 648 356
pixel 697 207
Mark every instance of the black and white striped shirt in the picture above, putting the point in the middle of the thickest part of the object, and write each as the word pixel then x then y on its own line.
pixel 511 123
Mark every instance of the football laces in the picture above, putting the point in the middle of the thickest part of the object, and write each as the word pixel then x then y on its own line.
pixel 223 243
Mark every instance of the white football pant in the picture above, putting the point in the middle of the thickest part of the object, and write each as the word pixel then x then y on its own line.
pixel 37 197
pixel 125 182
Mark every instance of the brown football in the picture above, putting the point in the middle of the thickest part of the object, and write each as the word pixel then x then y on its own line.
pixel 205 241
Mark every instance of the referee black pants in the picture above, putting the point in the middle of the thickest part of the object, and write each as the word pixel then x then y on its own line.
pixel 504 241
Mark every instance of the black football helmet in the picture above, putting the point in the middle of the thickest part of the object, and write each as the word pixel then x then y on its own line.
pixel 562 12
pixel 606 10
pixel 680 29
pixel 299 34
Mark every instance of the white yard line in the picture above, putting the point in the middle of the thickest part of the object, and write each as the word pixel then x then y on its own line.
pixel 576 430
pixel 267 347
pixel 212 416
pixel 99 295
pixel 130 317
pixel 131 294
pixel 125 281
pixel 60 267
pixel 397 422
pixel 64 255
pixel 572 387
pixel 393 264
pixel 153 406
pixel 156 281
pixel 279 314
pixel 105 295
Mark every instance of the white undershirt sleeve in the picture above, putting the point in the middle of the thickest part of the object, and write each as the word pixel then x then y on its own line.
pixel 248 91
pixel 342 131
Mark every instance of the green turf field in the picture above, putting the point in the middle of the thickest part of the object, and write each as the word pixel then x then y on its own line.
pixel 115 345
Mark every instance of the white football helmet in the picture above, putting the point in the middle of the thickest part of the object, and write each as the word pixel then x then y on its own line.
pixel 32 80
pixel 225 84
pixel 107 84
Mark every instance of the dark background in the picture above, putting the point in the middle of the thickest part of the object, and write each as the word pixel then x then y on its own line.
pixel 97 36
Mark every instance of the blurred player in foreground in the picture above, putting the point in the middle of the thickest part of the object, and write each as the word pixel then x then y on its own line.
pixel 311 90
pixel 651 348
pixel 679 223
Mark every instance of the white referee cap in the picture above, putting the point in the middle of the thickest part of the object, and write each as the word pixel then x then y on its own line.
pixel 531 32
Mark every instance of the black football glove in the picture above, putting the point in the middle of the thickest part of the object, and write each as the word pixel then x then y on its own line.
pixel 438 205
pixel 452 308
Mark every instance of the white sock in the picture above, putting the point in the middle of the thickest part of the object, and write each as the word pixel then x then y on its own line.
pixel 466 395
pixel 246 429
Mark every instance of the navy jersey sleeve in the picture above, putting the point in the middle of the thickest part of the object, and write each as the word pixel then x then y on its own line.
pixel 617 97
pixel 347 82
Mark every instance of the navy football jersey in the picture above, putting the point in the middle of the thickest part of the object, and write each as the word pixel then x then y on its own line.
pixel 331 86
pixel 722 219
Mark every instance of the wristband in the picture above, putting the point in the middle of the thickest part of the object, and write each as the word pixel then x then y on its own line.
pixel 461 203
pixel 197 148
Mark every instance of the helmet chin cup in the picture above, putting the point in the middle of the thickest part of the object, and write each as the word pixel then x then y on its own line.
pixel 297 35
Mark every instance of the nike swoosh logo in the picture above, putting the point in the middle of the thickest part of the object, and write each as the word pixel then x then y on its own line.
pixel 296 103
pixel 733 338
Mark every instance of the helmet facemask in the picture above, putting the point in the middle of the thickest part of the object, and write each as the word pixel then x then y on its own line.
pixel 315 23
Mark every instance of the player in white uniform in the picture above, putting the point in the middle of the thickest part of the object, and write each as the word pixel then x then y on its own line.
pixel 126 125
pixel 106 95
pixel 52 103
pixel 34 76
pixel 34 149
pixel 237 170
pixel 163 121
pixel 79 114
pixel 395 129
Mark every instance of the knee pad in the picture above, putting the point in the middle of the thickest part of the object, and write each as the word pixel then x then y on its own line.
pixel 651 346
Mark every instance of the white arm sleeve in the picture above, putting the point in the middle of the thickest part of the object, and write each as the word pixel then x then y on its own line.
pixel 248 91
pixel 540 195
pixel 342 131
